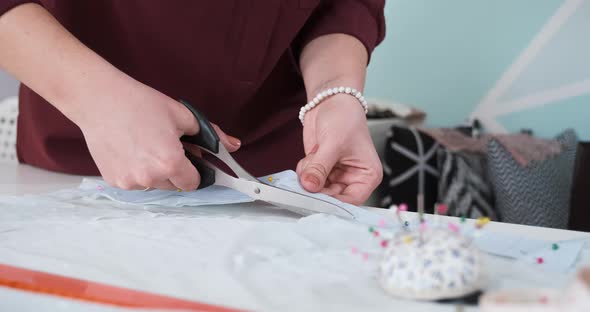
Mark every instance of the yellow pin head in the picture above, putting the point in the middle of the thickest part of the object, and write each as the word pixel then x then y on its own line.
pixel 408 239
pixel 482 221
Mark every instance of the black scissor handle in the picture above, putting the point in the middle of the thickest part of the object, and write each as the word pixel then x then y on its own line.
pixel 206 138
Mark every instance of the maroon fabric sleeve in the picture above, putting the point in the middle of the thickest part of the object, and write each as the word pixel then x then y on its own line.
pixel 7 5
pixel 363 19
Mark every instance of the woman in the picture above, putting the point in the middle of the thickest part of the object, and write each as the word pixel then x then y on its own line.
pixel 101 79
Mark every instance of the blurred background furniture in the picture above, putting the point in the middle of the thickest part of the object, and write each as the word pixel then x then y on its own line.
pixel 580 198
pixel 8 116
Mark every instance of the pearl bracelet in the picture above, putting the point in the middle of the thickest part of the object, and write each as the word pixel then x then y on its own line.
pixel 328 93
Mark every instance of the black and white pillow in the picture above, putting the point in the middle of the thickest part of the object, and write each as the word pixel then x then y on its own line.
pixel 538 194
pixel 409 167
pixel 464 186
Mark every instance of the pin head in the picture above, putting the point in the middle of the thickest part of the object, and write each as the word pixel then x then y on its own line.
pixel 453 228
pixel 442 209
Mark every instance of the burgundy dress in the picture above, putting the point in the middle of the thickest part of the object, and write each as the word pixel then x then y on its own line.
pixel 234 60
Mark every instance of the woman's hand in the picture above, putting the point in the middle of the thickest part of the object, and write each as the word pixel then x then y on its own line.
pixel 133 131
pixel 133 135
pixel 341 159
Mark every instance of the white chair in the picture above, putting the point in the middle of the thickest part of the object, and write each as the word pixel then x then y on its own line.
pixel 8 116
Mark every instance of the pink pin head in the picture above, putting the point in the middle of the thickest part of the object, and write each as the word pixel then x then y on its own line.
pixel 453 228
pixel 100 188
pixel 403 207
pixel 442 209
pixel 543 300
pixel 365 256
pixel 423 226
pixel 354 250
pixel 381 223
pixel 384 243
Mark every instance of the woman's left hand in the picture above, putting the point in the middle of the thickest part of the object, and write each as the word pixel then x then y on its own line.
pixel 341 159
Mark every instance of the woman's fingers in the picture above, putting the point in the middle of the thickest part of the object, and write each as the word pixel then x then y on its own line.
pixel 231 143
pixel 355 194
pixel 164 185
pixel 185 176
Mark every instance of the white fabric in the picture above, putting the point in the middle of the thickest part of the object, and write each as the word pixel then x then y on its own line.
pixel 245 256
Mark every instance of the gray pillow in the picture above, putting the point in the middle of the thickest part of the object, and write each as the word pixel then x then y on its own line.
pixel 538 194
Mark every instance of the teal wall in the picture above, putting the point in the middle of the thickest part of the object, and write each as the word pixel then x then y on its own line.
pixel 445 56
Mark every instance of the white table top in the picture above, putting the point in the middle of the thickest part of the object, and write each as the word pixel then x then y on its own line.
pixel 21 179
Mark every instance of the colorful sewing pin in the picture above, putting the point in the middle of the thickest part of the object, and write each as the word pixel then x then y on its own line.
pixel 439 209
pixel 403 207
pixel 442 209
pixel 384 243
pixel 543 300
pixel 554 246
pixel 269 178
pixel 371 229
pixel 421 206
pixel 423 226
pixel 406 224
pixel 420 201
pixel 365 256
pixel 408 239
pixel 463 219
pixel 375 233
pixel 481 222
pixel 381 223
pixel 453 228
pixel 540 260
pixel 100 188
pixel 354 250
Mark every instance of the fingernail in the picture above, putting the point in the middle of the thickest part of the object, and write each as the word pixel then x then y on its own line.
pixel 234 141
pixel 311 179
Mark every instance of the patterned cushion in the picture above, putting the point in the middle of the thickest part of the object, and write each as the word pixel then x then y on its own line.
pixel 464 185
pixel 538 194
pixel 409 167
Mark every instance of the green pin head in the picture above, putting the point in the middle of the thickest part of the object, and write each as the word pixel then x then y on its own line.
pixel 554 246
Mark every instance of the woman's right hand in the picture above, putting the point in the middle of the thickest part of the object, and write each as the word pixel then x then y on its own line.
pixel 133 134
pixel 133 131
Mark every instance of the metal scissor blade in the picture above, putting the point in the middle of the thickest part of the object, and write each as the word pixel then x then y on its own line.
pixel 295 202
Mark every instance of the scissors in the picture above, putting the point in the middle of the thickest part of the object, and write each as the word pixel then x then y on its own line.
pixel 208 141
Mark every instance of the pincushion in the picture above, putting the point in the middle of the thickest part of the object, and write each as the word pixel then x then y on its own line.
pixel 430 264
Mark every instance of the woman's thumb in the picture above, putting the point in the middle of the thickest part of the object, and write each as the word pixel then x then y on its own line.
pixel 318 166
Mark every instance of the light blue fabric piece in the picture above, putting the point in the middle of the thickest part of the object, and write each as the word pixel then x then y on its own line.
pixel 218 195
pixel 288 180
